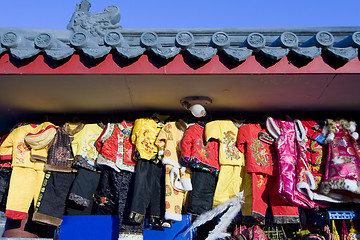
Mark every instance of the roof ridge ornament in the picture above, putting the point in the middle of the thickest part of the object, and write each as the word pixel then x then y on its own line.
pixel 97 25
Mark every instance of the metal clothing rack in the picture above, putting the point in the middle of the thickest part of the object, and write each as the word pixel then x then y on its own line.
pixel 344 215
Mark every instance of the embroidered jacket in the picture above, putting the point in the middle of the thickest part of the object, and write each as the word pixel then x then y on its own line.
pixel 256 143
pixel 60 154
pixel 226 132
pixel 114 147
pixel 143 136
pixel 84 148
pixel 196 154
pixel 14 147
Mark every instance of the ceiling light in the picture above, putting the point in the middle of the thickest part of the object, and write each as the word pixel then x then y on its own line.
pixel 196 105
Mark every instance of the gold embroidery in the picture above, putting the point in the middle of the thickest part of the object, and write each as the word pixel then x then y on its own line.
pixel 261 181
pixel 262 158
pixel 230 148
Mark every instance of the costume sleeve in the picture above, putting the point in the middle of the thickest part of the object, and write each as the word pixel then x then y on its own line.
pixel 136 130
pixel 242 138
pixel 99 142
pixel 186 146
pixel 212 130
pixel 160 141
pixel 6 148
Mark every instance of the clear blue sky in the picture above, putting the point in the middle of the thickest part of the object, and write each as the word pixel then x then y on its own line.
pixel 55 14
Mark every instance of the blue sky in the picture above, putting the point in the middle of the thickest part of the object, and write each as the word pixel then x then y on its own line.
pixel 55 14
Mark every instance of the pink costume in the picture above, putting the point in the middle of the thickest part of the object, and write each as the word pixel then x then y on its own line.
pixel 310 159
pixel 285 135
pixel 342 173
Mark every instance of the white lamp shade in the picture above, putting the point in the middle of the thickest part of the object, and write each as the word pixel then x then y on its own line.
pixel 198 110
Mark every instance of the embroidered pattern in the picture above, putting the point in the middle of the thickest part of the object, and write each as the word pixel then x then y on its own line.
pixel 259 153
pixel 229 146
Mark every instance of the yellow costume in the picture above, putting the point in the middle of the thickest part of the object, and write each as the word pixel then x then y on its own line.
pixel 233 177
pixel 27 175
pixel 177 178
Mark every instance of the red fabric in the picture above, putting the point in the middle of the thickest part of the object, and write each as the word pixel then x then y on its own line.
pixel 258 154
pixel 109 148
pixel 194 152
pixel 16 214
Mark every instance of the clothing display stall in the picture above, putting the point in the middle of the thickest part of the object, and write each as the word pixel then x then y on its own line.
pixel 98 141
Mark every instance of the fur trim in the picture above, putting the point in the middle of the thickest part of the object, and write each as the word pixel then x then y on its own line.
pixel 36 158
pixel 42 218
pixel 351 186
pixel 325 130
pixel 72 132
pixel 352 127
pixel 56 168
pixel 330 137
pixel 173 216
pixel 355 135
pixel 337 160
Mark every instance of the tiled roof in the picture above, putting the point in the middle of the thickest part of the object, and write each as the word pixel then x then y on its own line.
pixel 97 34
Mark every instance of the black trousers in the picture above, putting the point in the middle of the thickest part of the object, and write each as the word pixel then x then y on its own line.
pixel 149 191
pixel 114 196
pixel 4 187
pixel 201 197
pixel 50 207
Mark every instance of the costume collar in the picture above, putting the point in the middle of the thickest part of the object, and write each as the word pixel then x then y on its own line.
pixel 78 128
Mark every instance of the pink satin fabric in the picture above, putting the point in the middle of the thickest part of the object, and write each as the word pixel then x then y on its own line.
pixel 288 162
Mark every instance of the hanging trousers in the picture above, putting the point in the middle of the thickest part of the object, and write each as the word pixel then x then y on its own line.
pixel 148 191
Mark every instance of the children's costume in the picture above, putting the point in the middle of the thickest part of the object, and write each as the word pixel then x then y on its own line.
pixel 177 178
pixel 203 160
pixel 149 177
pixel 285 135
pixel 259 149
pixel 310 160
pixel 85 154
pixel 59 177
pixel 233 176
pixel 116 186
pixel 27 176
pixel 341 180
pixel 115 148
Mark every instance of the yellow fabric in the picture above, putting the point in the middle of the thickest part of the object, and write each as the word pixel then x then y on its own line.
pixel 84 142
pixel 174 199
pixel 143 136
pixel 40 140
pixel 232 180
pixel 334 231
pixel 168 141
pixel 226 132
pixel 15 149
pixel 25 186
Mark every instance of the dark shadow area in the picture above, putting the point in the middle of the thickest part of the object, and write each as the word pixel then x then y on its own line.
pixel 298 61
pixel 91 62
pixel 157 61
pixel 264 61
pixel 332 61
pixel 121 61
pixel 193 62
pixel 23 62
pixel 228 61
pixel 53 64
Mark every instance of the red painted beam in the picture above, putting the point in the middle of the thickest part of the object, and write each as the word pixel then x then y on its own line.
pixel 147 64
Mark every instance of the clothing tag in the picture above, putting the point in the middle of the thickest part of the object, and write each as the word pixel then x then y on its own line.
pixel 320 138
